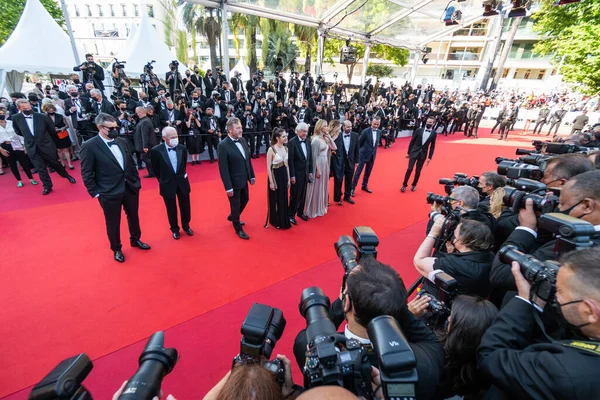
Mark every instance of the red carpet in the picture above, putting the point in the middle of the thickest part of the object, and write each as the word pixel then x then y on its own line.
pixel 63 293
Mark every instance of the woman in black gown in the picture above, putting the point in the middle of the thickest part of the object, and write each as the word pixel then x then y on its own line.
pixel 278 180
pixel 193 142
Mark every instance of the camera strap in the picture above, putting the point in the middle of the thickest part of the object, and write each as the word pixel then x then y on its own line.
pixel 589 347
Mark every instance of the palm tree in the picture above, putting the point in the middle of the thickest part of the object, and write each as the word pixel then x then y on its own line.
pixel 308 36
pixel 280 46
pixel 248 23
pixel 200 20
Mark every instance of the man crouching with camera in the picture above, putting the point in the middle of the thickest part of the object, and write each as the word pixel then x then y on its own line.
pixel 523 365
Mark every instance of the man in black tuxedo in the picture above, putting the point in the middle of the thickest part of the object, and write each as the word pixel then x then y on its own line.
pixel 171 117
pixel 344 162
pixel 210 83
pixel 236 82
pixel 422 142
pixel 227 95
pixel 211 132
pixel 92 72
pixel 37 130
pixel 99 104
pixel 144 138
pixel 169 161
pixel 236 171
pixel 301 167
pixel 110 176
pixel 367 142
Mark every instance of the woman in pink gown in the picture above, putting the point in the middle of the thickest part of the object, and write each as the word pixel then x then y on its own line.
pixel 317 193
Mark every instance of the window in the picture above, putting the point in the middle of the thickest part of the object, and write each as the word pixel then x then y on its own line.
pixel 527 51
pixel 94 28
pixel 527 74
pixel 541 74
pixel 513 51
pixel 112 10
pixel 230 43
pixel 505 73
pixel 124 9
pixel 150 10
pixel 77 14
pixel 127 29
pixel 89 10
pixel 100 13
pixel 115 27
pixel 136 10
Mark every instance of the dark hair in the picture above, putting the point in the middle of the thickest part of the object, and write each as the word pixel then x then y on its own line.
pixel 566 166
pixel 376 289
pixel 596 159
pixel 89 55
pixel 471 317
pixel 277 132
pixel 587 184
pixel 476 235
pixel 585 264
pixel 250 381
pixel 494 180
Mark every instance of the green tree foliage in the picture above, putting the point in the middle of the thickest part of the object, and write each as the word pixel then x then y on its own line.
pixel 380 71
pixel 307 42
pixel 572 31
pixel 200 20
pixel 175 37
pixel 11 10
pixel 280 45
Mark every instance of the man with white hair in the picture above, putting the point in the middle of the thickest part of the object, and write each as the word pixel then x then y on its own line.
pixel 169 160
pixel 301 171
pixel 99 104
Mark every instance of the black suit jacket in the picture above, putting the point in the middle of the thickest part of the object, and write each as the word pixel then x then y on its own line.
pixel 106 107
pixel 170 181
pixel 236 171
pixel 101 173
pixel 337 161
pixel 509 359
pixel 418 150
pixel 41 139
pixel 164 117
pixel 144 137
pixel 231 96
pixel 209 84
pixel 298 164
pixel 368 150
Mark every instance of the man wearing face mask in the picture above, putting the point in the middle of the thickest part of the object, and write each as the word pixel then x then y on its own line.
pixel 144 138
pixel 169 161
pixel 421 143
pixel 109 175
pixel 579 198
pixel 99 104
pixel 210 83
pixel 522 365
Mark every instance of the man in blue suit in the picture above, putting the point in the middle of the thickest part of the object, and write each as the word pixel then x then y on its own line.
pixel 367 142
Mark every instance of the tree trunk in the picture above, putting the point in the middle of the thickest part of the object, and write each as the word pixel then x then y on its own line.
pixel 250 38
pixel 308 57
pixel 213 54
pixel 507 46
pixel 493 51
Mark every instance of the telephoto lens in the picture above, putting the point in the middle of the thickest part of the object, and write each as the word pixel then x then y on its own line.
pixel 155 363
pixel 347 251
pixel 314 307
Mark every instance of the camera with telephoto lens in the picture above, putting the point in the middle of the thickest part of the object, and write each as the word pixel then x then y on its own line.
pixel 156 362
pixel 515 199
pixel 518 169
pixel 571 233
pixel 119 64
pixel 440 304
pixel 459 179
pixel 351 250
pixel 261 329
pixel 65 381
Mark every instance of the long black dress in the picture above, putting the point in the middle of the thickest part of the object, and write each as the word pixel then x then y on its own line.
pixel 278 198
pixel 59 123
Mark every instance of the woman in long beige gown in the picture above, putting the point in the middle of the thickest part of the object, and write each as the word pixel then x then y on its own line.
pixel 317 193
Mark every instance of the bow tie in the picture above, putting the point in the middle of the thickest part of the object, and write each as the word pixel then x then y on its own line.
pixel 112 143
pixel 28 116
pixel 171 149
pixel 235 140
pixel 348 135
pixel 303 141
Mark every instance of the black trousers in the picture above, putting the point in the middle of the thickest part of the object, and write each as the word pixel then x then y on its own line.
pixel 147 161
pixel 538 126
pixel 251 139
pixel 411 166
pixel 361 165
pixel 19 156
pixel 237 203
pixel 213 143
pixel 41 161
pixel 184 210
pixel 298 195
pixel 473 128
pixel 347 178
pixel 128 201
pixel 555 124
pixel 497 124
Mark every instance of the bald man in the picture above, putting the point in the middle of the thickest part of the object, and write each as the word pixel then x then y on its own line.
pixel 327 393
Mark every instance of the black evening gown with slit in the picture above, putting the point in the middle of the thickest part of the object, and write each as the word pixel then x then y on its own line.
pixel 278 199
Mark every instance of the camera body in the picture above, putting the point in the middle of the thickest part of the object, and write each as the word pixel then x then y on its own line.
pixel 517 169
pixel 261 329
pixel 515 199
pixel 441 299
pixel 351 250
pixel 65 380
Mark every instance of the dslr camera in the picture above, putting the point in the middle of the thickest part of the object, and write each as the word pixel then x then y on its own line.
pixel 261 330
pixel 351 250
pixel 459 179
pixel 441 299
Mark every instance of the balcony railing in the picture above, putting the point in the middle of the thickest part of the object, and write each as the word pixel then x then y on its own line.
pixel 467 57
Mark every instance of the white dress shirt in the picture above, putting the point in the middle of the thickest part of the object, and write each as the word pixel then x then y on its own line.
pixel 374 137
pixel 303 147
pixel 172 153
pixel 239 146
pixel 115 150
pixel 7 134
pixel 426 134
pixel 29 121
pixel 346 138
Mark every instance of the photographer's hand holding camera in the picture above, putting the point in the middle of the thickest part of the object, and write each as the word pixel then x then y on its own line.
pixel 92 72
pixel 514 360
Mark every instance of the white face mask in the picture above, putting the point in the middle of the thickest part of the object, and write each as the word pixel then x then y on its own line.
pixel 174 142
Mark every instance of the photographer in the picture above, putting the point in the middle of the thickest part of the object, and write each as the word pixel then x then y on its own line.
pixel 521 364
pixel 469 257
pixel 465 199
pixel 99 104
pixel 491 185
pixel 173 78
pixel 92 72
pixel 210 129
pixel 579 198
pixel 172 117
pixel 373 289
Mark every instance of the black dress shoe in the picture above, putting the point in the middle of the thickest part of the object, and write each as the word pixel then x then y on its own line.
pixel 293 221
pixel 140 244
pixel 366 189
pixel 349 200
pixel 352 193
pixel 304 217
pixel 242 235
pixel 403 189
pixel 188 231
pixel 47 191
pixel 341 203
pixel 413 188
pixel 176 235
pixel 242 223
pixel 212 161
pixel 71 179
pixel 193 163
pixel 119 257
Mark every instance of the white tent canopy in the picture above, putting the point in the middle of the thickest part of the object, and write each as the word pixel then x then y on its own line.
pixel 242 68
pixel 143 46
pixel 38 44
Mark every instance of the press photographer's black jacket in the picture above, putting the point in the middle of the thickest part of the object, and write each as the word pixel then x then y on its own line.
pixel 520 369
pixel 429 352
pixel 470 269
